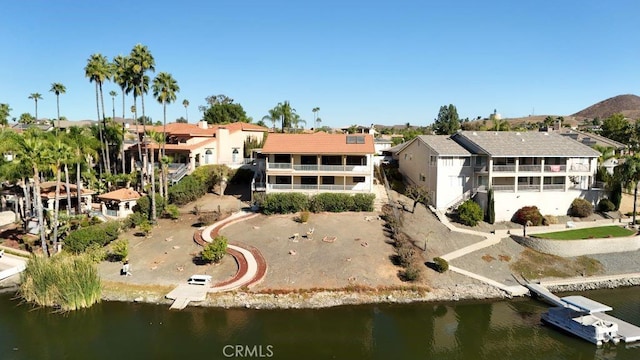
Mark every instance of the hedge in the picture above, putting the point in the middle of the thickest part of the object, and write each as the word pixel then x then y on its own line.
pixel 102 234
pixel 143 206
pixel 196 185
pixel 285 203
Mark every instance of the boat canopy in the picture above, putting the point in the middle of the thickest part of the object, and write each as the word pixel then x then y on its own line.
pixel 585 305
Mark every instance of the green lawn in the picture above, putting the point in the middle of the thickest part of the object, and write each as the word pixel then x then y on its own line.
pixel 587 233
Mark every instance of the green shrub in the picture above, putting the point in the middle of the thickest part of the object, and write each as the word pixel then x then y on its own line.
pixel 214 251
pixel 119 249
pixel 470 213
pixel 616 194
pixel 332 202
pixel 363 202
pixel 550 220
pixel 580 208
pixel 102 234
pixel 411 273
pixel 285 203
pixel 491 211
pixel 143 205
pixel 133 220
pixel 606 205
pixel 187 190
pixel 441 264
pixel 146 228
pixel 172 211
pixel 96 253
pixel 528 214
pixel 304 216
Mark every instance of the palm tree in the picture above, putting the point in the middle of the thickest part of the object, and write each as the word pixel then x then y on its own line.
pixel 36 97
pixel 606 153
pixel 113 95
pixel 315 111
pixel 60 155
pixel 141 61
pixel 165 88
pixel 185 103
pixel 629 173
pixel 122 77
pixel 98 70
pixel 83 145
pixel 58 88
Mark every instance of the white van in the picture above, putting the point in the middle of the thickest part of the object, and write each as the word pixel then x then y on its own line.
pixel 199 280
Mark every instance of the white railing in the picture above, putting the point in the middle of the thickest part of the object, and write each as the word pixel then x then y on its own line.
pixel 278 165
pixel 555 168
pixel 504 168
pixel 529 187
pixel 317 168
pixel 511 188
pixel 113 213
pixel 579 167
pixel 305 167
pixel 308 187
pixel 553 187
pixel 530 168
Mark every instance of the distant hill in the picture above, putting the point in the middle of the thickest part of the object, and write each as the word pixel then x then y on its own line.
pixel 628 105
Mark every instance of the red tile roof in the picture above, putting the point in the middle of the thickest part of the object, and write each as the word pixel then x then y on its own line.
pixel 121 195
pixel 48 189
pixel 195 130
pixel 317 143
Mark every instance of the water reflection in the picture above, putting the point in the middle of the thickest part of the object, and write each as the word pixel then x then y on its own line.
pixel 500 330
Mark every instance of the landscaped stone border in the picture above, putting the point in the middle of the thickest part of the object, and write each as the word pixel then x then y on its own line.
pixel 570 248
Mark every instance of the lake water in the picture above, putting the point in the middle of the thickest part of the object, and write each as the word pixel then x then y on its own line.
pixel 487 330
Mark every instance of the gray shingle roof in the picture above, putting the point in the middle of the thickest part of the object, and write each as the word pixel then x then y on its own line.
pixel 444 145
pixel 527 143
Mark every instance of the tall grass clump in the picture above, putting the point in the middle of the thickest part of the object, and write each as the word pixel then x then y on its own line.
pixel 64 282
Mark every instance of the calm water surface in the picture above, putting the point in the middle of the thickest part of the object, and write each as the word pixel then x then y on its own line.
pixel 498 330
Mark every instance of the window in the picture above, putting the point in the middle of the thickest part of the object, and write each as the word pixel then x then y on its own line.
pixel 433 160
pixel 422 177
pixel 356 160
pixel 355 139
pixel 282 158
pixel 328 180
pixel 332 160
pixel 283 179
pixel 309 180
pixel 308 160
pixel 358 179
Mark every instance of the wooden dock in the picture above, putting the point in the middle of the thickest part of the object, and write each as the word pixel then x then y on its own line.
pixel 184 294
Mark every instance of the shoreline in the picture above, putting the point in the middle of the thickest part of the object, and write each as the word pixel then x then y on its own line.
pixel 325 298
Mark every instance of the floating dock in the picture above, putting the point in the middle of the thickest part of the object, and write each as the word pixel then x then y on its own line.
pixel 585 318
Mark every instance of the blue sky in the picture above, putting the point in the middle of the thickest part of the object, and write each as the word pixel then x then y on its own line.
pixel 361 62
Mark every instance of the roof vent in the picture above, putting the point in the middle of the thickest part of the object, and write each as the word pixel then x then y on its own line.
pixel 475 133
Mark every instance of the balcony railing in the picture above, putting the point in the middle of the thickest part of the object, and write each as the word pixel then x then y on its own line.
pixel 579 167
pixel 555 168
pixel 530 168
pixel 318 168
pixel 553 187
pixel 310 187
pixel 504 168
pixel 505 188
pixel 529 187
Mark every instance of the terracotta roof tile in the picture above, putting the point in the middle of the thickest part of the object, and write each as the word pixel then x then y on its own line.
pixel 317 143
pixel 121 195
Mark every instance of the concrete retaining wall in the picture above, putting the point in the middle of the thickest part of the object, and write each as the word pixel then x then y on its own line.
pixel 569 248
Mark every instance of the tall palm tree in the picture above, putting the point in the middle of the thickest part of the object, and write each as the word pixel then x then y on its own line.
pixel 30 148
pixel 113 95
pixel 629 173
pixel 122 76
pixel 98 71
pixel 143 61
pixel 59 155
pixel 165 88
pixel 185 103
pixel 58 88
pixel 315 111
pixel 84 146
pixel 36 97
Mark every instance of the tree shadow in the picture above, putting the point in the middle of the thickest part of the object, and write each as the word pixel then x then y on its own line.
pixel 431 265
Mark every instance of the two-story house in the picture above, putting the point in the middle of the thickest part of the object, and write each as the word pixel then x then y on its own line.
pixel 318 162
pixel 523 168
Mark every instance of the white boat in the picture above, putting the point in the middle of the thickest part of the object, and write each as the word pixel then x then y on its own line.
pixel 579 317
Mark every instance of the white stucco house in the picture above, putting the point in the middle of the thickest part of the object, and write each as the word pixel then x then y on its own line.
pixel 119 203
pixel 318 162
pixel 523 169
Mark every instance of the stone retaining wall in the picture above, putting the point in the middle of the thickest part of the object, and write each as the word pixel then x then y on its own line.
pixel 570 248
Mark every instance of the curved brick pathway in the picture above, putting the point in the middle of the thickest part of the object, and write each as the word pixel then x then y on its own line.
pixel 252 266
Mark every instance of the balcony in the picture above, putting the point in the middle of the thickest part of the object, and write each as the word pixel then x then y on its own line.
pixel 555 168
pixel 553 187
pixel 311 187
pixel 579 168
pixel 504 168
pixel 529 187
pixel 530 168
pixel 319 168
pixel 504 188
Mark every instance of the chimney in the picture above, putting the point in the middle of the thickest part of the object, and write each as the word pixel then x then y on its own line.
pixel 202 124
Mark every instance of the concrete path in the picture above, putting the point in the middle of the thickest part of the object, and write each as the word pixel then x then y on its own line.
pixel 492 239
pixel 11 265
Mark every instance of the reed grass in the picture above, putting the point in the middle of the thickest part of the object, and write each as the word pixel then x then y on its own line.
pixel 64 282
